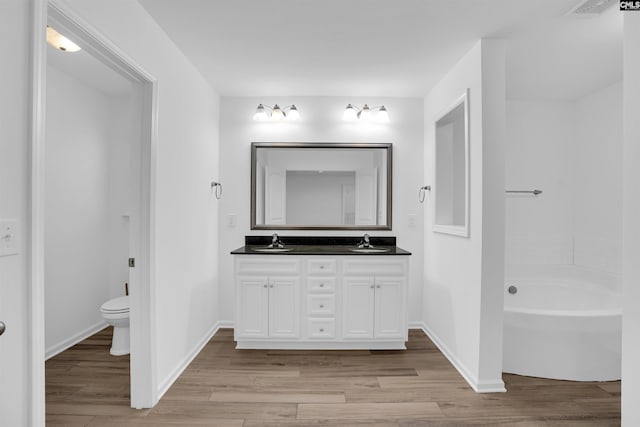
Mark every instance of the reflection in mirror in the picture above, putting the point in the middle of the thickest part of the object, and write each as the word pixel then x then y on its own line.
pixel 321 186
pixel 451 201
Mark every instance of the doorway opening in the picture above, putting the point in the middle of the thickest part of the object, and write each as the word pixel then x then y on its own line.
pixel 125 186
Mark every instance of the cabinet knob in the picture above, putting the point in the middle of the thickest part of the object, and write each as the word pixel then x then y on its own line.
pixel 378 286
pixel 272 286
pixel 321 305
pixel 321 329
pixel 322 285
pixel 372 286
pixel 265 286
pixel 322 267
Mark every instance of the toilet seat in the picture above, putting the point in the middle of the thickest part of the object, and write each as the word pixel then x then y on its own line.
pixel 115 312
pixel 116 305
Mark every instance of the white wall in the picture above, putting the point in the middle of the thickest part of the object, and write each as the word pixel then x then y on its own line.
pixel 463 276
pixel 540 156
pixel 121 140
pixel 631 225
pixel 186 156
pixel 597 192
pixel 87 191
pixel 321 121
pixel 572 151
pixel 15 104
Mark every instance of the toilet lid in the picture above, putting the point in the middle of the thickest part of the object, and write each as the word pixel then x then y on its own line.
pixel 116 305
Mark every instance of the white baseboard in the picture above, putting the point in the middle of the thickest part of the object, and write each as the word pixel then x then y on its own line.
pixel 225 324
pixel 416 325
pixel 496 386
pixel 71 341
pixel 175 374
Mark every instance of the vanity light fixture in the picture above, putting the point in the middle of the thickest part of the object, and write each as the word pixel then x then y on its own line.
pixel 290 112
pixel 60 42
pixel 366 113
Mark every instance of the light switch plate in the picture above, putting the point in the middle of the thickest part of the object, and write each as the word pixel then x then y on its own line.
pixel 412 220
pixel 9 237
pixel 231 220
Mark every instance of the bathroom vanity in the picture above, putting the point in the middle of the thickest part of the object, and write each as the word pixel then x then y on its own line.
pixel 321 293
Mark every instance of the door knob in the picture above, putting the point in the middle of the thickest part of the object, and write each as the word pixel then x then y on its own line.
pixel 3 327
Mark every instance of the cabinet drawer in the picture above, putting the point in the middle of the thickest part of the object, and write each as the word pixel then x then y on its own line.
pixel 269 265
pixel 321 328
pixel 322 284
pixel 321 266
pixel 374 267
pixel 321 305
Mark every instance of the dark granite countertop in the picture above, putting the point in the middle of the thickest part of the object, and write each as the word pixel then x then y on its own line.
pixel 319 245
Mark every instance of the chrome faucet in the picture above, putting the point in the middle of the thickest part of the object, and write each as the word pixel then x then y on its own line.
pixel 275 241
pixel 364 243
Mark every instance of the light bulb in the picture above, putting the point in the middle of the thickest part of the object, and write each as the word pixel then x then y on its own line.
pixel 277 114
pixel 260 114
pixel 60 42
pixel 382 115
pixel 350 113
pixel 365 114
pixel 293 113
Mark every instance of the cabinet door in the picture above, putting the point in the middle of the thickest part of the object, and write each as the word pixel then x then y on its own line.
pixel 284 307
pixel 252 319
pixel 390 307
pixel 358 307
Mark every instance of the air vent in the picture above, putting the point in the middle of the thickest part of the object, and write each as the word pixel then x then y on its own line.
pixel 591 8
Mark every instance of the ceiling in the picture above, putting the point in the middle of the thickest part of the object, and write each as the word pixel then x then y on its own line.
pixel 90 71
pixel 398 48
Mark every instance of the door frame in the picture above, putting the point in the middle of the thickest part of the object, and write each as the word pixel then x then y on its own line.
pixel 144 390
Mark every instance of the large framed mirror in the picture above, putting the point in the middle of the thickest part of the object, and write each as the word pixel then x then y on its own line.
pixel 321 186
pixel 451 181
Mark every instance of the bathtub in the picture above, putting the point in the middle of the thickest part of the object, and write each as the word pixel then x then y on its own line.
pixel 562 323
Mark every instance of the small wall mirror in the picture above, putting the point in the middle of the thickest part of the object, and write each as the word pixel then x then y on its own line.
pixel 320 186
pixel 451 183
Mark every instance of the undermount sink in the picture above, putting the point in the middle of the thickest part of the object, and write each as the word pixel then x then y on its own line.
pixel 369 250
pixel 266 249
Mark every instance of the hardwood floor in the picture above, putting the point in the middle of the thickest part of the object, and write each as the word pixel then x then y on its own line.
pixel 228 387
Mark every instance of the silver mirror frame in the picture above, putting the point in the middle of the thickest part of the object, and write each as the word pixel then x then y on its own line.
pixel 329 146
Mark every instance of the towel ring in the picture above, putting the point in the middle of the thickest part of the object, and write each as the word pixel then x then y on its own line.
pixel 218 189
pixel 422 193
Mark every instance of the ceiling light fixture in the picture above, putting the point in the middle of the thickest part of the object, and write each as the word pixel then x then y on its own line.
pixel 366 113
pixel 60 42
pixel 276 114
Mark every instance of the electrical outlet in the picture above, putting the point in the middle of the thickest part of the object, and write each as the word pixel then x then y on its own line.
pixel 9 237
pixel 412 220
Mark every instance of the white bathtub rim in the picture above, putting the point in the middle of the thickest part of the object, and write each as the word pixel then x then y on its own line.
pixel 612 312
pixel 569 272
pixel 569 284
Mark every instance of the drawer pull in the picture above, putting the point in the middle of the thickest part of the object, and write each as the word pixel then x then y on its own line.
pixel 321 305
pixel 322 267
pixel 321 329
pixel 322 285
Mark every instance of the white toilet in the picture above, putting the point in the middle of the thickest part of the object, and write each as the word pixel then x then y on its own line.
pixel 116 313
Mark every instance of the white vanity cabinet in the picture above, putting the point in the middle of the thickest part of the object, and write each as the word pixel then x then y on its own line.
pixel 267 299
pixel 321 298
pixel 375 298
pixel 321 302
